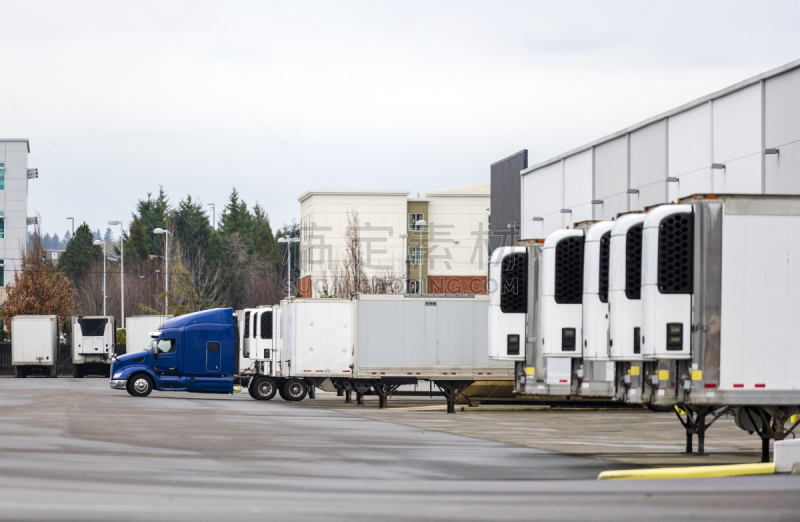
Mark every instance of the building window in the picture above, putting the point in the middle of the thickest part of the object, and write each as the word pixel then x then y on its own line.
pixel 415 255
pixel 2 272
pixel 2 225
pixel 2 176
pixel 414 287
pixel 412 221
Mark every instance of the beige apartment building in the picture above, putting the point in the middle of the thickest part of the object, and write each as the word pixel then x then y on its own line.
pixel 446 255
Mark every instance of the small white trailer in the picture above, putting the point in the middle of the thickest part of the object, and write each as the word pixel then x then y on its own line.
pixel 138 328
pixel 34 345
pixel 94 339
pixel 403 339
pixel 720 295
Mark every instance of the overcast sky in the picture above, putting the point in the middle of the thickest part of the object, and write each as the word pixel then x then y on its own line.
pixel 277 98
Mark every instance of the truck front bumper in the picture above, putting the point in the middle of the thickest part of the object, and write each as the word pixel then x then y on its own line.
pixel 118 384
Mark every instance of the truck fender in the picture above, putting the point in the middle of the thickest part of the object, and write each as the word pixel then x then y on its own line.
pixel 133 370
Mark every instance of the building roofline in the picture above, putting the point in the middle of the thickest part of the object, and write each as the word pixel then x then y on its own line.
pixel 310 193
pixel 685 107
pixel 523 151
pixel 26 140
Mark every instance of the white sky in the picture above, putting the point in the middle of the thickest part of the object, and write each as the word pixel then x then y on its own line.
pixel 277 98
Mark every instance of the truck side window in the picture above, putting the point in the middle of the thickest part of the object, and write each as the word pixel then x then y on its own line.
pixel 166 346
pixel 213 347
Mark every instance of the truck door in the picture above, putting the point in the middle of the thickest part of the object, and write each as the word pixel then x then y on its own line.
pixel 168 364
pixel 213 359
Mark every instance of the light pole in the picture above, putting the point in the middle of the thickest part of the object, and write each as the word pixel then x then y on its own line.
pixel 166 275
pixel 408 261
pixel 289 241
pixel 105 255
pixel 73 225
pixel 213 216
pixel 121 268
pixel 421 224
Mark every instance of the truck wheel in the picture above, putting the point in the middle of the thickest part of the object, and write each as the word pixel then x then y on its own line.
pixel 660 409
pixel 140 385
pixel 294 390
pixel 263 388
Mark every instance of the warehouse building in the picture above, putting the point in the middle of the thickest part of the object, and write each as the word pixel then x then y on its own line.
pixel 446 255
pixel 14 220
pixel 504 215
pixel 744 139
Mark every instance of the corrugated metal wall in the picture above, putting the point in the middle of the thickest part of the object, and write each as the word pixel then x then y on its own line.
pixel 672 155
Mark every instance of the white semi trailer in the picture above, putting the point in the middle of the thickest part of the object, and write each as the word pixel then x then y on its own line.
pixel 34 345
pixel 138 328
pixel 94 340
pixel 721 295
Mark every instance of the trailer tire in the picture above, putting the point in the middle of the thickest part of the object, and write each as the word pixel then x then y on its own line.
pixel 139 385
pixel 660 409
pixel 77 372
pixel 294 390
pixel 263 388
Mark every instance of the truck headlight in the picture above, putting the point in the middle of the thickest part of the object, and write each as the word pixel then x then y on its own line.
pixel 118 375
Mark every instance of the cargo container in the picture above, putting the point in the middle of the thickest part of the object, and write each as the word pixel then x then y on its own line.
pixel 138 328
pixel 34 345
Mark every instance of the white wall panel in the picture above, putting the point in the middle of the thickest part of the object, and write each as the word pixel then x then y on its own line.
pixel 542 197
pixel 737 124
pixel 649 165
pixel 690 152
pixel 17 156
pixel 16 146
pixel 578 179
pixel 15 195
pixel 740 176
pixel 782 171
pixel 611 178
pixel 782 107
pixel 18 205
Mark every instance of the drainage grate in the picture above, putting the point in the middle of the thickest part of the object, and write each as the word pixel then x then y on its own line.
pixel 675 254
pixel 513 290
pixel 569 271
pixel 633 262
pixel 605 256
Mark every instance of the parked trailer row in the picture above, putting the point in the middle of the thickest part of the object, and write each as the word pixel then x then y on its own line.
pixel 375 342
pixel 686 305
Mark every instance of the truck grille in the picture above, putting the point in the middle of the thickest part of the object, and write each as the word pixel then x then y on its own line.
pixel 633 262
pixel 569 271
pixel 675 254
pixel 513 284
pixel 605 256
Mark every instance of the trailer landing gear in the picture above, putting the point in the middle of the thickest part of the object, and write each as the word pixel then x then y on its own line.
pixel 768 422
pixel 451 389
pixel 694 421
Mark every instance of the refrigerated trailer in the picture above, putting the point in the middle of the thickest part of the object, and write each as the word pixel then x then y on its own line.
pixel 34 345
pixel 94 339
pixel 720 296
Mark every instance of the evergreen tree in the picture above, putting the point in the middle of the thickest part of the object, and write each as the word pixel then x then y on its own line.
pixel 109 235
pixel 263 241
pixel 136 245
pixel 236 218
pixel 192 226
pixel 96 235
pixel 80 254
pixel 153 214
pixel 215 253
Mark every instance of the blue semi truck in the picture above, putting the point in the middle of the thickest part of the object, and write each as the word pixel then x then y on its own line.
pixel 197 353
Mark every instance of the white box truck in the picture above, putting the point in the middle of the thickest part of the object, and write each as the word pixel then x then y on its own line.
pixel 34 345
pixel 94 339
pixel 138 328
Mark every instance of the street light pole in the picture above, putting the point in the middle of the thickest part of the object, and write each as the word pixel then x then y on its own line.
pixel 289 241
pixel 102 244
pixel 73 225
pixel 166 276
pixel 122 267
pixel 408 261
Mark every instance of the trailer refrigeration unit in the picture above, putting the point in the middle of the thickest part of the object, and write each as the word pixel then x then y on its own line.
pixel 138 328
pixel 403 339
pixel 625 306
pixel 34 345
pixel 259 342
pixel 536 375
pixel 720 294
pixel 93 342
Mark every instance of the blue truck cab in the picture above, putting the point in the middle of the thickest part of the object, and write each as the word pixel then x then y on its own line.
pixel 194 353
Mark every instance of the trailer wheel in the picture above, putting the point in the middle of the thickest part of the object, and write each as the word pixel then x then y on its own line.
pixel 263 388
pixel 53 373
pixel 140 385
pixel 660 409
pixel 294 390
pixel 77 372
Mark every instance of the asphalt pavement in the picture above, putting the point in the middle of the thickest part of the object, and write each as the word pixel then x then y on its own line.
pixel 72 449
